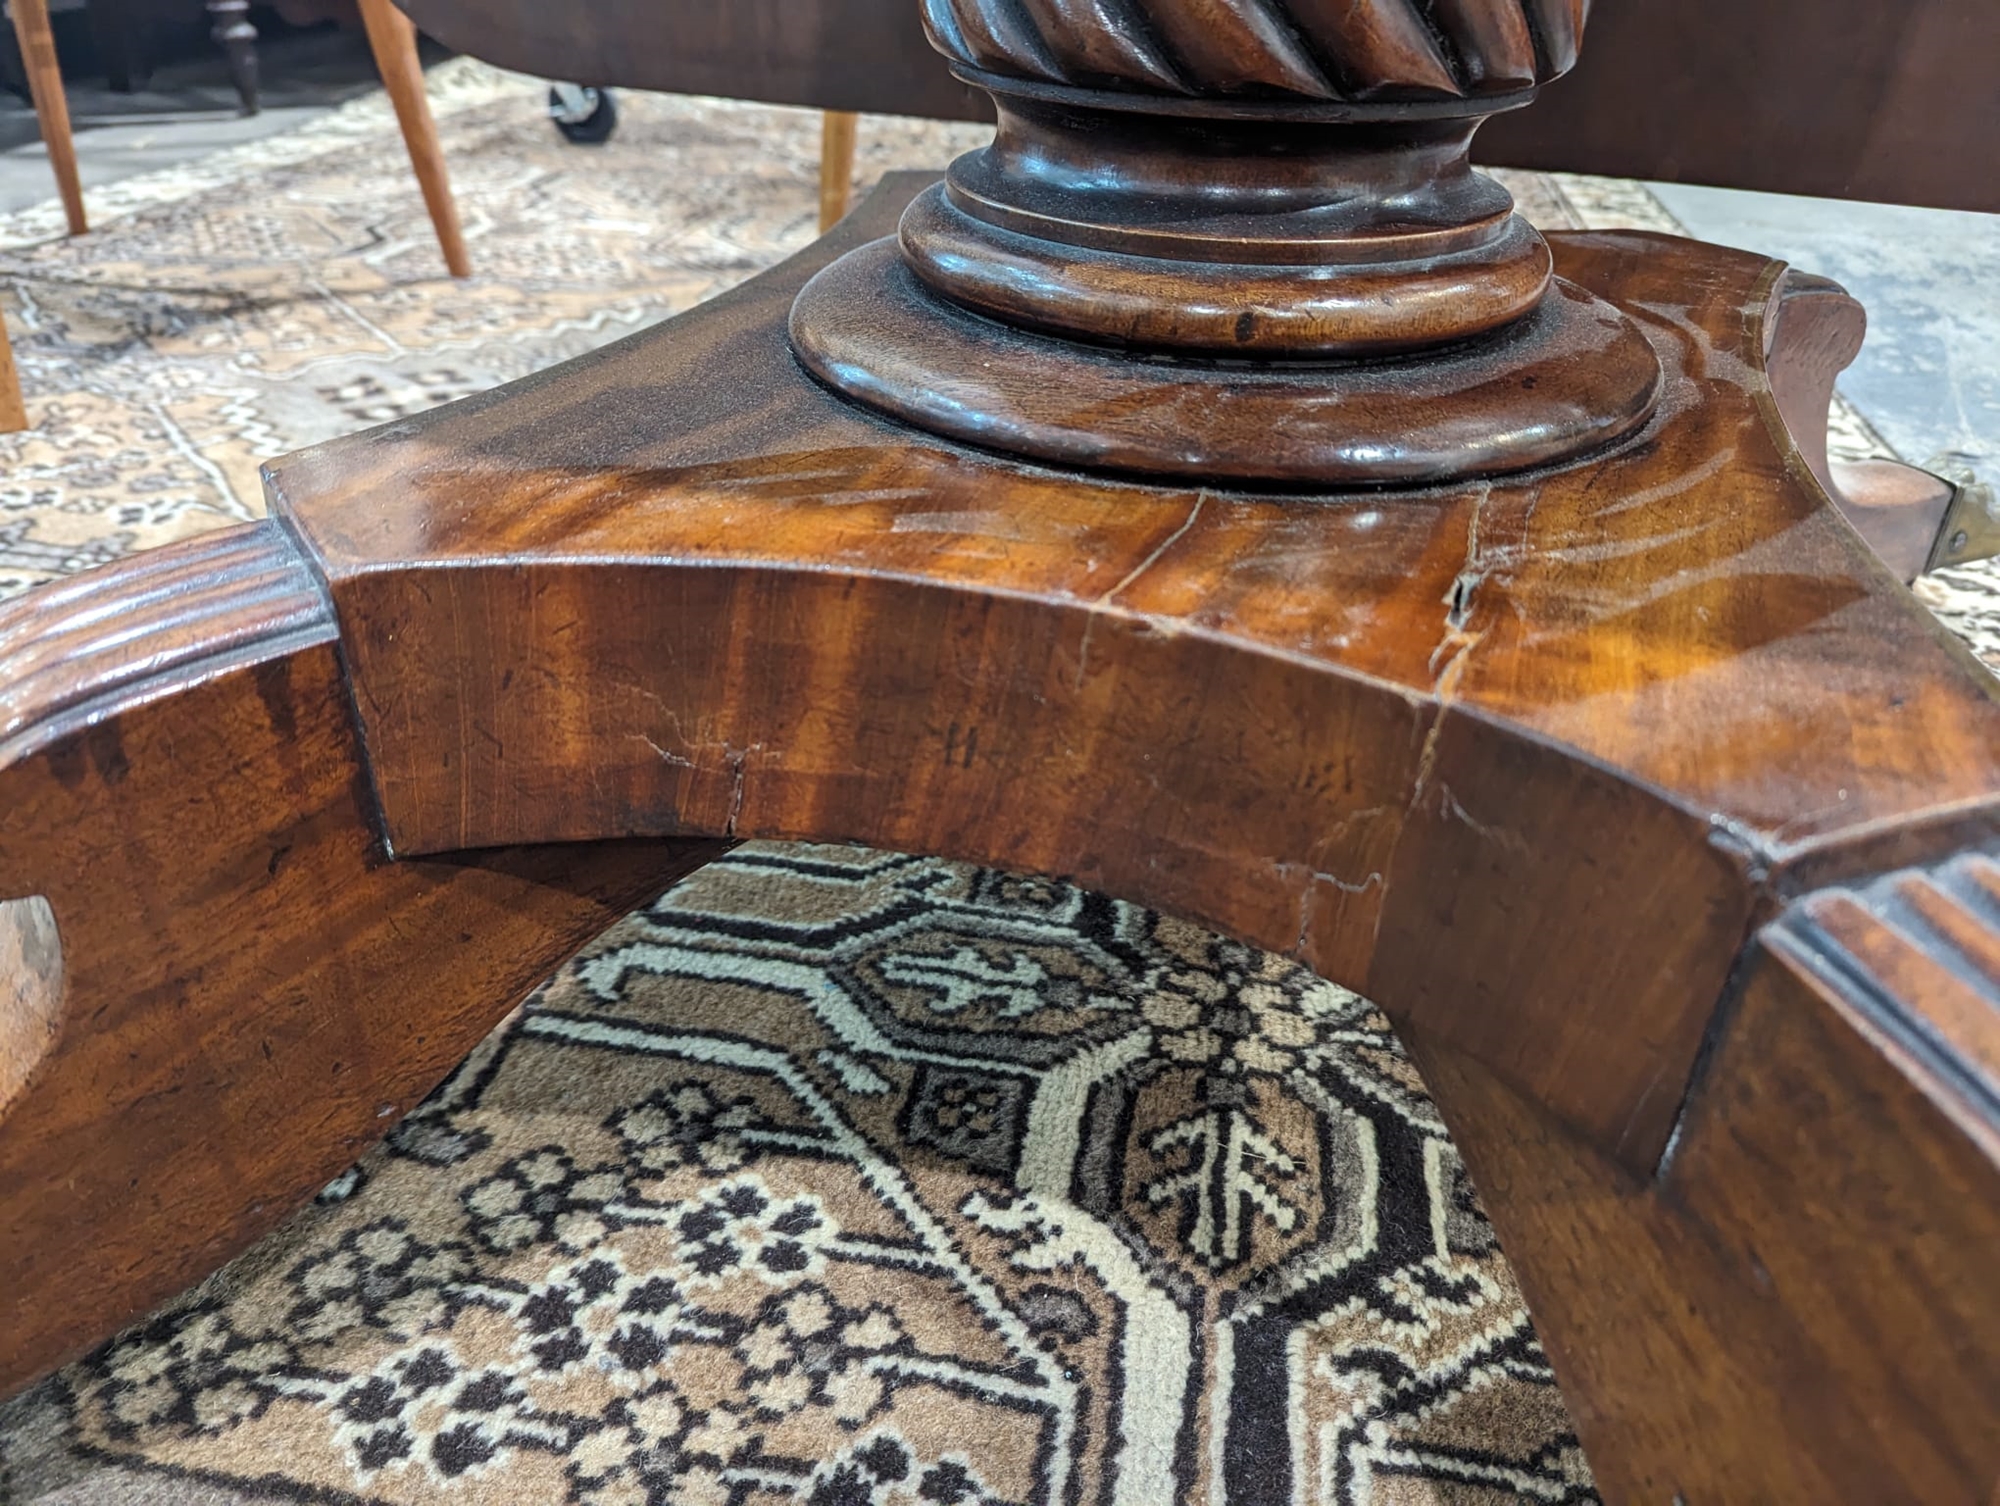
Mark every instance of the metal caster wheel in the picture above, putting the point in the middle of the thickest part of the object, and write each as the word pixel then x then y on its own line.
pixel 584 115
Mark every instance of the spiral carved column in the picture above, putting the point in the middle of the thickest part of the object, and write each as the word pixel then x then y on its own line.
pixel 1236 240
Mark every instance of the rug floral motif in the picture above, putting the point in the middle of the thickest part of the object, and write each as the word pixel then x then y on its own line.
pixel 834 1177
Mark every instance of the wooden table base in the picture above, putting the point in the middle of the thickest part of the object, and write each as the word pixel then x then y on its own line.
pixel 1661 819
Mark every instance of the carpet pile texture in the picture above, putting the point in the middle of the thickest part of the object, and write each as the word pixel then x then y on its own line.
pixel 834 1177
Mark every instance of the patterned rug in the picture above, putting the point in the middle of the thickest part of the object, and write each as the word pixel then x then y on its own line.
pixel 835 1177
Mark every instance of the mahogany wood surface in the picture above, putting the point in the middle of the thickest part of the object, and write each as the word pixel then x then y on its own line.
pixel 847 55
pixel 1628 780
pixel 1845 99
pixel 1897 508
pixel 1275 202
pixel 1553 768
pixel 215 989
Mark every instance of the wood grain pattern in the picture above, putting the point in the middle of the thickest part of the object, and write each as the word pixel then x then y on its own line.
pixel 217 990
pixel 1568 377
pixel 82 648
pixel 1546 767
pixel 877 572
pixel 38 57
pixel 1804 1283
pixel 1919 952
pixel 1637 791
pixel 1308 49
pixel 1897 508
pixel 1339 300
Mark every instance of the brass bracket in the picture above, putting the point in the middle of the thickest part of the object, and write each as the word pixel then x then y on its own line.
pixel 1970 528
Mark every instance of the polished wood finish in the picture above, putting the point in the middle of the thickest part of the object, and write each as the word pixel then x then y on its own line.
pixel 230 992
pixel 1900 510
pixel 38 56
pixel 13 412
pixel 1634 787
pixel 1503 755
pixel 394 42
pixel 1499 755
pixel 1420 583
pixel 1276 206
pixel 836 166
pixel 1359 50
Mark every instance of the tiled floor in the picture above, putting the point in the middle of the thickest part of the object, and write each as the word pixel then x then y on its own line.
pixel 1929 377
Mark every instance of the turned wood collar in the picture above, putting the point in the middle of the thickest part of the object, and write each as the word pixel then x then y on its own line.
pixel 1244 250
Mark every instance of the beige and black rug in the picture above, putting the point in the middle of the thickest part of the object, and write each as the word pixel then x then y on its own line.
pixel 834 1178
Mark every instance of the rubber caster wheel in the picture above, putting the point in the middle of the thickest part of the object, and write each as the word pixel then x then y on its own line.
pixel 584 115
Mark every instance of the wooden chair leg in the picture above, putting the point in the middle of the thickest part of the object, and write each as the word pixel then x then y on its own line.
pixel 836 166
pixel 13 412
pixel 394 42
pixel 234 34
pixel 38 56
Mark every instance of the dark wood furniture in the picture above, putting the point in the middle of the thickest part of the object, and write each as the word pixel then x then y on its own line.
pixel 1570 721
pixel 1842 98
pixel 125 34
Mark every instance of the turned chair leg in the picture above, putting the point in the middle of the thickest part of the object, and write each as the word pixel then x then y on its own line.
pixel 836 166
pixel 38 56
pixel 234 34
pixel 13 412
pixel 393 40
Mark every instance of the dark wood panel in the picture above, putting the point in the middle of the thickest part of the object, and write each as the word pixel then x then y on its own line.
pixel 830 54
pixel 1845 98
pixel 1896 100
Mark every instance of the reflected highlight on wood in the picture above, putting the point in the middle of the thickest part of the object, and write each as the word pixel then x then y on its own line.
pixel 1276 214
pixel 1505 756
pixel 1357 50
pixel 218 991
pixel 1600 749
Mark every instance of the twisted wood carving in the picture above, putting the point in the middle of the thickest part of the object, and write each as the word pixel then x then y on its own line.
pixel 1273 201
pixel 1333 50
